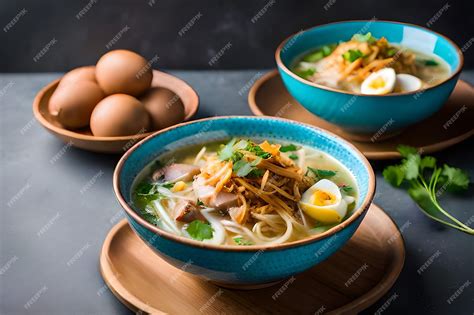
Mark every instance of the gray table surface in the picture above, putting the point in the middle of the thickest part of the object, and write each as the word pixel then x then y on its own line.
pixel 57 206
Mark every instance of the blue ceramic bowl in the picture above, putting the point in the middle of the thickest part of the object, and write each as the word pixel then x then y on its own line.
pixel 364 114
pixel 242 265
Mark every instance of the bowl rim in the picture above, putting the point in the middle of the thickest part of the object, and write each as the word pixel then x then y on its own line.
pixel 284 68
pixel 252 248
pixel 91 138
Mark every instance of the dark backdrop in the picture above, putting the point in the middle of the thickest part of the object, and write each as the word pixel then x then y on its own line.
pixel 53 35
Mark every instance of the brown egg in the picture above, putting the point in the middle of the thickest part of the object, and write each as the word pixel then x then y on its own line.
pixel 119 115
pixel 72 104
pixel 123 71
pixel 79 74
pixel 164 106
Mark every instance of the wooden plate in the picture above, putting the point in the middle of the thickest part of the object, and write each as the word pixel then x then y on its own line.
pixel 348 282
pixel 268 96
pixel 85 140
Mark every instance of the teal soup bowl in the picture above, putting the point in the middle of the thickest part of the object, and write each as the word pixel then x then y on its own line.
pixel 371 116
pixel 233 265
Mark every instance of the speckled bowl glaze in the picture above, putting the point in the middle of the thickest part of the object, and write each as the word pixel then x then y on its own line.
pixel 364 114
pixel 242 266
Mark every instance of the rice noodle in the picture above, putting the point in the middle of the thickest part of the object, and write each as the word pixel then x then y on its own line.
pixel 199 155
pixel 218 236
pixel 165 218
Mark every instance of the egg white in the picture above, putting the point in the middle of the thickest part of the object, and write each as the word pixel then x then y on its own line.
pixel 388 77
pixel 332 213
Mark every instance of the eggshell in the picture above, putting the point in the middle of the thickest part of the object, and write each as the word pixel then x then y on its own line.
pixel 86 73
pixel 123 71
pixel 72 104
pixel 119 115
pixel 164 106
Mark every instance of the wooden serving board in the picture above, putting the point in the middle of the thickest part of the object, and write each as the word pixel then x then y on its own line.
pixel 348 282
pixel 268 96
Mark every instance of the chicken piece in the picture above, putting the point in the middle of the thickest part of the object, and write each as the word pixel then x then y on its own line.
pixel 176 171
pixel 224 200
pixel 186 211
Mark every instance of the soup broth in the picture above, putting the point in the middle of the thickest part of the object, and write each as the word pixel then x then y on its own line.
pixel 245 192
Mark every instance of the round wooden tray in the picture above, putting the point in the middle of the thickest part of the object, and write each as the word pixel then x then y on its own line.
pixel 349 281
pixel 84 139
pixel 268 96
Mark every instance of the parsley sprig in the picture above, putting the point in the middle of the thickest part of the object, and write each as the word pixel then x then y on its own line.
pixel 425 181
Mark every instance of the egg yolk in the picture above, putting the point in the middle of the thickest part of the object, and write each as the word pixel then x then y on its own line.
pixel 377 83
pixel 322 198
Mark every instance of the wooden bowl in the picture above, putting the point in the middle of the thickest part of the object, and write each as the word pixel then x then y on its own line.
pixel 83 138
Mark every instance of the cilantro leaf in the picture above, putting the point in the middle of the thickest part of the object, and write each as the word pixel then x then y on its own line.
pixel 322 173
pixel 226 152
pixel 145 193
pixel 457 180
pixel 352 55
pixel 243 168
pixel 243 241
pixel 293 156
pixel 406 150
pixel 427 162
pixel 424 187
pixel 394 174
pixel 199 230
pixel 258 151
pixel 289 148
pixel 411 165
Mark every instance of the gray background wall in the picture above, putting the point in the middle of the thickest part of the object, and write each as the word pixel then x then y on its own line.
pixel 151 27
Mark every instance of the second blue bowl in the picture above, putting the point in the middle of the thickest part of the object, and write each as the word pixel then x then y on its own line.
pixel 368 114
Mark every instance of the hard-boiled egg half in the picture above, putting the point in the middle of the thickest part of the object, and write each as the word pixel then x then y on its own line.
pixel 407 83
pixel 379 83
pixel 324 202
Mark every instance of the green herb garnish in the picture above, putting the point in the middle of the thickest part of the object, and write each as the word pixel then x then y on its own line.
pixel 227 151
pixel 322 173
pixel 327 49
pixel 289 148
pixel 258 151
pixel 314 56
pixel 364 38
pixel 346 188
pixel 425 181
pixel 147 192
pixel 391 52
pixel 167 185
pixel 200 203
pixel 243 241
pixel 352 55
pixel 293 156
pixel 199 230
pixel 243 168
pixel 305 73
pixel 430 63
